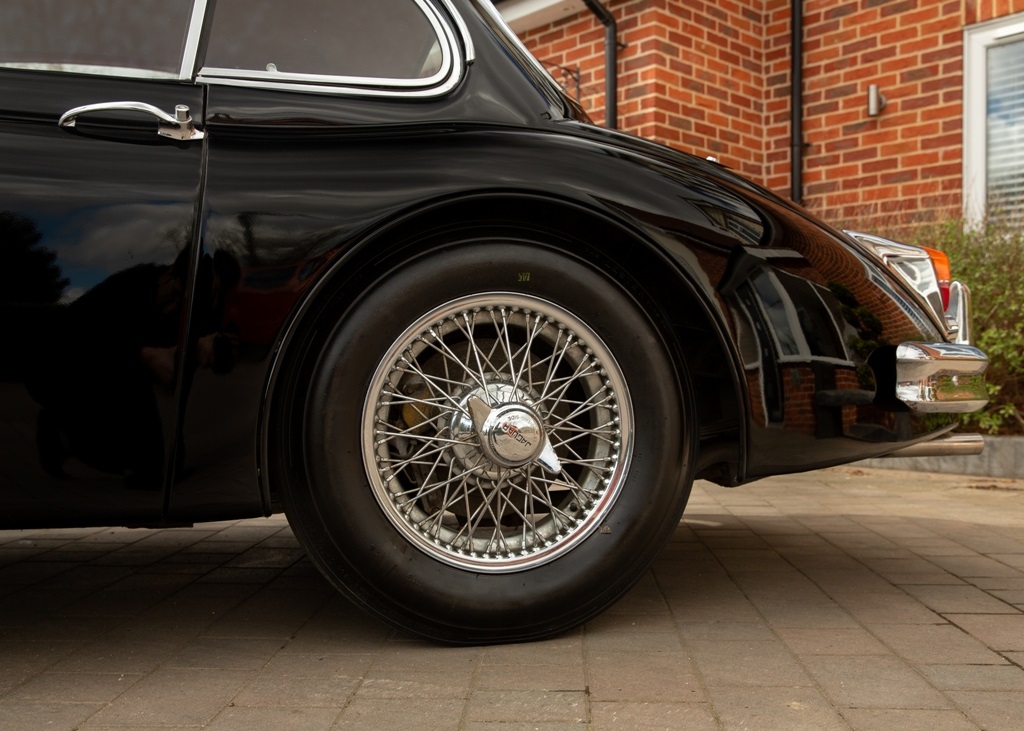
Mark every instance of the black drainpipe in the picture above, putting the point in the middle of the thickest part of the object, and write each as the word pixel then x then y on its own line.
pixel 611 62
pixel 796 104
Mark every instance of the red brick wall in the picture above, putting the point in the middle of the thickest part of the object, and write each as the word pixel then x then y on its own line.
pixel 905 164
pixel 713 78
pixel 690 76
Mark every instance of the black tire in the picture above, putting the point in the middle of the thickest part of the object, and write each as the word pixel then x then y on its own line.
pixel 451 519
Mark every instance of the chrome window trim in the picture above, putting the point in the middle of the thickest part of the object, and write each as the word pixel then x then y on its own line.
pixel 446 79
pixel 121 72
pixel 192 38
pixel 276 77
pixel 488 7
pixel 337 89
pixel 460 23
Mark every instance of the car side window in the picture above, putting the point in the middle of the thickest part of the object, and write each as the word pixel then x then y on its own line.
pixel 113 37
pixel 383 39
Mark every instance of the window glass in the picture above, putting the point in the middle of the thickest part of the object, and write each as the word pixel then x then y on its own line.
pixel 1005 131
pixel 106 36
pixel 387 39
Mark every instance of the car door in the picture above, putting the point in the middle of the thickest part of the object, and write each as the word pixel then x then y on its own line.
pixel 100 178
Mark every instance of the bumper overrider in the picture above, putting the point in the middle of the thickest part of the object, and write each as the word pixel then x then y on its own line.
pixel 934 378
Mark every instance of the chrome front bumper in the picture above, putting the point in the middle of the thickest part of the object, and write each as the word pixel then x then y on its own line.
pixel 941 377
pixel 944 377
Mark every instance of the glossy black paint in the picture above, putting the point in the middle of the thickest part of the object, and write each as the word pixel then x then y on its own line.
pixel 159 282
pixel 97 248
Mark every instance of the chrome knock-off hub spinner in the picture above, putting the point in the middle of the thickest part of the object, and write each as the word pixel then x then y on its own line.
pixel 510 435
pixel 510 432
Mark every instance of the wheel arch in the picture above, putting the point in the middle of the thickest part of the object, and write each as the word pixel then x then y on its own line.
pixel 686 319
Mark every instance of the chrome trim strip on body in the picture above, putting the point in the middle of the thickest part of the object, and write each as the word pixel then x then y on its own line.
pixel 951 445
pixel 941 377
pixel 195 31
pixel 446 79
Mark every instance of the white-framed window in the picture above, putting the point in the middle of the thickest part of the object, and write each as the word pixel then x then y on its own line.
pixel 994 120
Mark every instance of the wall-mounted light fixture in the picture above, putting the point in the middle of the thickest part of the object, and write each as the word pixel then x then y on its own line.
pixel 876 102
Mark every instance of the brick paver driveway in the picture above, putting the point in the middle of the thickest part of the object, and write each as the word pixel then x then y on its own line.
pixel 846 598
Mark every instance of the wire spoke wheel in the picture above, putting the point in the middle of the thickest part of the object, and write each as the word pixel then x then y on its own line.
pixel 486 442
pixel 496 432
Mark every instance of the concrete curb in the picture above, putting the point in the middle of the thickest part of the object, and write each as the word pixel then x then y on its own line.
pixel 1003 457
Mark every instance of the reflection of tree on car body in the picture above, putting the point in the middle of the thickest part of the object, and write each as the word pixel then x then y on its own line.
pixel 93 364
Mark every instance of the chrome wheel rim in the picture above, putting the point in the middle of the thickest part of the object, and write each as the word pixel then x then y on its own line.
pixel 497 432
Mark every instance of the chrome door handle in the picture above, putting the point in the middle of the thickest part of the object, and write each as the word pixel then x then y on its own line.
pixel 177 127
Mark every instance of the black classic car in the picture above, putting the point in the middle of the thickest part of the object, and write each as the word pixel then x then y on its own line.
pixel 367 264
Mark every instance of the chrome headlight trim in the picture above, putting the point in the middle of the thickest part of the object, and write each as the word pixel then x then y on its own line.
pixel 913 266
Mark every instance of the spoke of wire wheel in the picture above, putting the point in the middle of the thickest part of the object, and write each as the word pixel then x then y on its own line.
pixel 525 365
pixel 440 346
pixel 473 517
pixel 564 383
pixel 576 458
pixel 555 361
pixel 480 374
pixel 503 336
pixel 484 362
pixel 497 537
pixel 397 398
pixel 396 472
pixel 420 457
pixel 548 504
pixel 559 394
pixel 578 491
pixel 459 494
pixel 426 438
pixel 432 382
pixel 609 427
pixel 421 490
pixel 583 433
pixel 436 518
pixel 529 509
pixel 506 342
pixel 583 407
